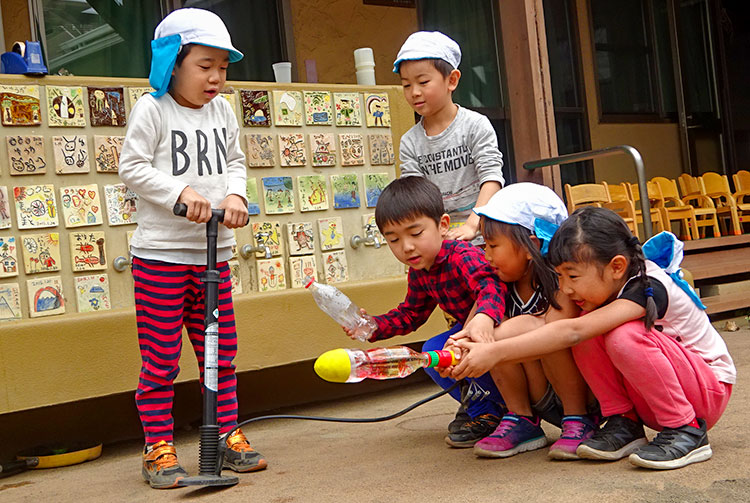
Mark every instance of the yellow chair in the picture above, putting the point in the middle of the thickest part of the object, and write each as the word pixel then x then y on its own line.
pixel 622 205
pixel 673 209
pixel 716 187
pixel 693 193
pixel 594 194
pixel 633 193
pixel 742 191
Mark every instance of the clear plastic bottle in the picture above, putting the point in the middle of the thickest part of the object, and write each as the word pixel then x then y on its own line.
pixel 338 306
pixel 354 365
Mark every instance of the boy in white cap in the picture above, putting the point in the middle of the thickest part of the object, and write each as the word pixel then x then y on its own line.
pixel 454 147
pixel 182 146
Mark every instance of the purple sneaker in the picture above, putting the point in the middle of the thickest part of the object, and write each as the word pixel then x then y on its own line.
pixel 575 429
pixel 514 434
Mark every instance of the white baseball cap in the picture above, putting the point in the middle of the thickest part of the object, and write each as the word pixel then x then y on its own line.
pixel 428 45
pixel 523 203
pixel 198 26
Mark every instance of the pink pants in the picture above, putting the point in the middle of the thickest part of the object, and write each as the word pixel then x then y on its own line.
pixel 667 384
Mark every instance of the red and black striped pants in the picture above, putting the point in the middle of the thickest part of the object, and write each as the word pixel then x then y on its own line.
pixel 167 297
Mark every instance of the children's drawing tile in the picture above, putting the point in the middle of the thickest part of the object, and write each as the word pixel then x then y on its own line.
pixel 107 151
pixel 377 110
pixel 5 220
pixel 374 185
pixel 301 268
pixel 268 234
pixel 135 93
pixel 10 301
pixel 381 149
pixel 271 274
pixel 121 204
pixel 26 155
pixel 81 205
pixel 41 252
pixel 65 106
pixel 36 206
pixel 292 149
pixel 331 231
pixel 92 293
pixel 71 154
pixel 234 271
pixel 20 105
pixel 370 227
pixel 352 149
pixel 300 238
pixel 251 194
pixel 8 257
pixel 107 106
pixel 345 191
pixel 88 250
pixel 313 195
pixel 318 108
pixel 335 267
pixel 45 296
pixel 230 96
pixel 322 149
pixel 256 108
pixel 348 109
pixel 278 195
pixel 288 108
pixel 260 150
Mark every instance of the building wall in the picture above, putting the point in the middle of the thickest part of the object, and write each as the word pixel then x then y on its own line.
pixel 15 21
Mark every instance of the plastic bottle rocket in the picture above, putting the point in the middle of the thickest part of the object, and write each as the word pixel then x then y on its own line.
pixel 345 312
pixel 354 365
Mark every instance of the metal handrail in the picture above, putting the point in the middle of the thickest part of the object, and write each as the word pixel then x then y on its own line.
pixel 640 173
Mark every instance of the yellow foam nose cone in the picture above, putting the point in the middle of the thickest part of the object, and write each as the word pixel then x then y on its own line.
pixel 334 365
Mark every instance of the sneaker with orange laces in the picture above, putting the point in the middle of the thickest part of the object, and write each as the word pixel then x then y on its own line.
pixel 240 457
pixel 160 466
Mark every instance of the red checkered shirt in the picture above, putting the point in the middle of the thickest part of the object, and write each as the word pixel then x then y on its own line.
pixel 459 278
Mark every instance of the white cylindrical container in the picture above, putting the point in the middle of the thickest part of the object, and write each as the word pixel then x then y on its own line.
pixel 364 64
pixel 282 71
pixel 366 77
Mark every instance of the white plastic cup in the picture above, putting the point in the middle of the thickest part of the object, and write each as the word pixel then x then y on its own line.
pixel 364 58
pixel 282 71
pixel 366 77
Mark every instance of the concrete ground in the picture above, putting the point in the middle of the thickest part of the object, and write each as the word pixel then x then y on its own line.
pixel 406 460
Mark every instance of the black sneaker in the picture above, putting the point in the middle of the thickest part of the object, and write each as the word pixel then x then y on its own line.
pixel 473 431
pixel 461 418
pixel 674 448
pixel 615 440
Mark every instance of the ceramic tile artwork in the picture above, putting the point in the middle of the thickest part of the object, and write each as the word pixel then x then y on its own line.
pixel 348 109
pixel 345 191
pixel 107 106
pixel 278 195
pixel 26 155
pixel 381 149
pixel 322 149
pixel 288 108
pixel 234 270
pixel 271 274
pixel 335 267
pixel 256 108
pixel 5 220
pixel 292 149
pixel 107 151
pixel 92 293
pixel 251 194
pixel 135 93
pixel 300 238
pixel 269 234
pixel 10 301
pixel 20 105
pixel 8 257
pixel 81 205
pixel 352 149
pixel 36 206
pixel 260 149
pixel 65 106
pixel 88 250
pixel 45 296
pixel 377 110
pixel 230 97
pixel 318 108
pixel 121 204
pixel 301 268
pixel 374 185
pixel 41 252
pixel 312 192
pixel 370 227
pixel 71 154
pixel 331 232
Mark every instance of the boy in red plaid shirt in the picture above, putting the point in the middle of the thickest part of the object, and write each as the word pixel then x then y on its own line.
pixel 453 275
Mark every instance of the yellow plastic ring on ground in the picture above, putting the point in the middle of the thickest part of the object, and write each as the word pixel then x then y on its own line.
pixel 66 459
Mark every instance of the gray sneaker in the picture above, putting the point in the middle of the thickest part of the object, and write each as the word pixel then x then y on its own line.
pixel 160 466
pixel 615 440
pixel 674 448
pixel 461 417
pixel 240 457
